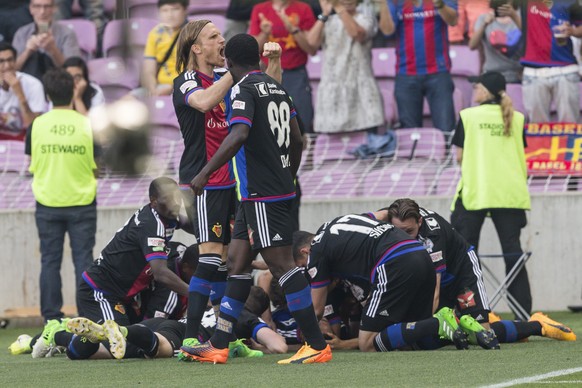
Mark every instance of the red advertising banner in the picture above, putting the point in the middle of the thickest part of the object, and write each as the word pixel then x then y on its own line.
pixel 554 148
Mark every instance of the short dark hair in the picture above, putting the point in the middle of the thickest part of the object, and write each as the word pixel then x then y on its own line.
pixel 158 183
pixel 59 86
pixel 7 46
pixel 183 3
pixel 301 239
pixel 243 50
pixel 258 301
pixel 90 91
pixel 403 209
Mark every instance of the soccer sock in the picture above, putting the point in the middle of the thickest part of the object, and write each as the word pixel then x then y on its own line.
pixel 218 285
pixel 298 295
pixel 199 291
pixel 401 335
pixel 513 331
pixel 235 296
pixel 63 338
pixel 80 348
pixel 144 338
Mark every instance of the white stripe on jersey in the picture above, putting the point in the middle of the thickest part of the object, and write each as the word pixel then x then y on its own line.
pixel 262 224
pixel 104 305
pixel 380 290
pixel 202 217
pixel 171 303
pixel 479 275
pixel 189 75
pixel 161 227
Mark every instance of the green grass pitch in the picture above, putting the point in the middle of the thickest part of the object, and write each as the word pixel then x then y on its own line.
pixel 442 368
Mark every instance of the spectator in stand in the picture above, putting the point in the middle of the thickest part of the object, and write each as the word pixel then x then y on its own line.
pixel 347 69
pixel 92 10
pixel 159 64
pixel 42 44
pixel 469 12
pixel 422 68
pixel 21 97
pixel 14 14
pixel 288 22
pixel 238 16
pixel 498 33
pixel 87 94
pixel 550 69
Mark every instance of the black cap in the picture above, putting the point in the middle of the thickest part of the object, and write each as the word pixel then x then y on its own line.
pixel 492 80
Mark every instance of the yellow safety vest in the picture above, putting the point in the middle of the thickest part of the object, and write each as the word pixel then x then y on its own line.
pixel 62 159
pixel 493 171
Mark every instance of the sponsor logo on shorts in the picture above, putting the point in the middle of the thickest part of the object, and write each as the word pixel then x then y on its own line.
pixel 410 325
pixel 466 299
pixel 385 314
pixel 217 229
pixel 156 242
pixel 277 238
pixel 120 308
pixel 160 314
pixel 226 305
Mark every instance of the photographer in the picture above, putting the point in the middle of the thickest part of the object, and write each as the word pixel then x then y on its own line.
pixel 498 33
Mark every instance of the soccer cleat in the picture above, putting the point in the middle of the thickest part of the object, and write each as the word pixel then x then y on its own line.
pixel 116 339
pixel 239 349
pixel 308 355
pixel 553 329
pixel 205 352
pixel 449 328
pixel 476 333
pixel 94 332
pixel 494 317
pixel 46 341
pixel 21 345
pixel 187 342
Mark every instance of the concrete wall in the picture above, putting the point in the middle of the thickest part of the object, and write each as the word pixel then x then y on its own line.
pixel 553 235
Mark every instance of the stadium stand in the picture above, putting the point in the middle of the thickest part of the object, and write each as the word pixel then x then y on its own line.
pixel 137 30
pixel 205 6
pixel 86 36
pixel 116 76
pixel 218 20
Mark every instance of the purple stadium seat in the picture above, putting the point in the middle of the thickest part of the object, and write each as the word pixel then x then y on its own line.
pixel 147 9
pixel 86 35
pixel 384 62
pixel 115 76
pixel 336 146
pixel 122 191
pixel 163 118
pixel 314 64
pixel 329 182
pixel 12 157
pixel 19 194
pixel 136 31
pixel 426 143
pixel 219 20
pixel 551 183
pixel 515 93
pixel 394 181
pixel 108 6
pixel 464 61
pixel 447 181
pixel 205 6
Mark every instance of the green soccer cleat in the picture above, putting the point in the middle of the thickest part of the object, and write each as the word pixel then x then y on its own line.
pixel 449 328
pixel 477 335
pixel 46 341
pixel 85 327
pixel 188 342
pixel 21 345
pixel 239 349
pixel 116 339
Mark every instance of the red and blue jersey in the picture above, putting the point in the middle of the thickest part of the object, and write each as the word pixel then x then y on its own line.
pixel 541 48
pixel 422 37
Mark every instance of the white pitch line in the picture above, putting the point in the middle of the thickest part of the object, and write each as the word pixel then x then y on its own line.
pixel 533 379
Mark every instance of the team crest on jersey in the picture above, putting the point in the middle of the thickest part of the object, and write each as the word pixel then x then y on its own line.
pixel 222 105
pixel 262 89
pixel 432 223
pixel 120 308
pixel 217 229
pixel 187 86
pixel 312 272
pixel 466 299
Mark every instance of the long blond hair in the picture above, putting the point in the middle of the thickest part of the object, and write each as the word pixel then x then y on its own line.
pixel 186 59
pixel 506 111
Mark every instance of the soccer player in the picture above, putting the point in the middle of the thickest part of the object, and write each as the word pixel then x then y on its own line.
pixel 265 137
pixel 134 257
pixel 398 314
pixel 459 273
pixel 201 101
